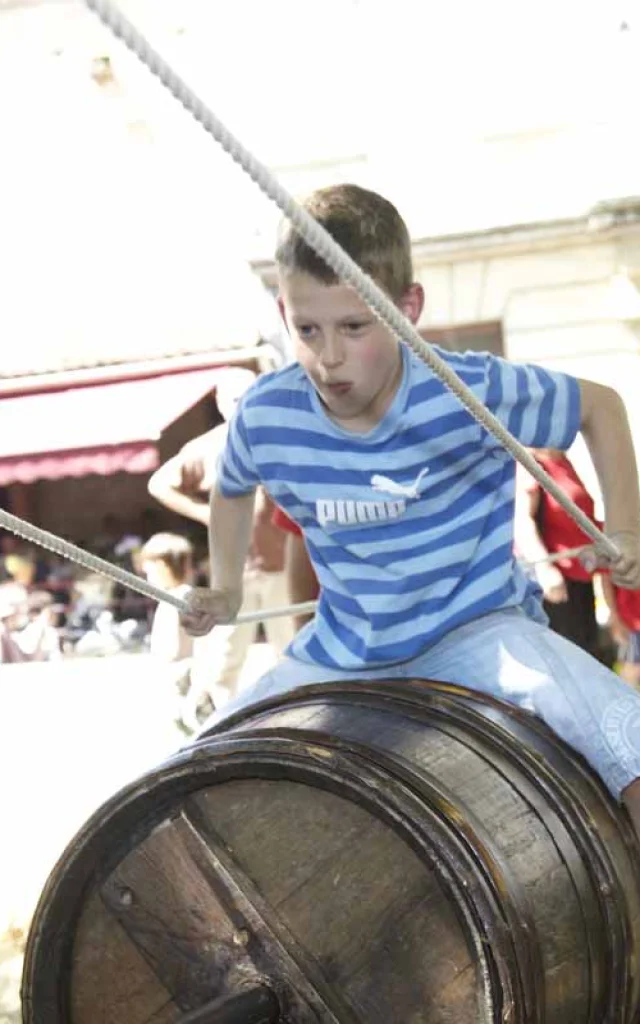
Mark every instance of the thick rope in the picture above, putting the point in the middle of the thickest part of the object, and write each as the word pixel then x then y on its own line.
pixel 342 264
pixel 559 556
pixel 59 546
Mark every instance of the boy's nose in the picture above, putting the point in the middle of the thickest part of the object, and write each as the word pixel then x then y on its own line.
pixel 332 351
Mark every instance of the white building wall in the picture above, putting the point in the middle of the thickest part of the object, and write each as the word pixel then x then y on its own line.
pixel 574 308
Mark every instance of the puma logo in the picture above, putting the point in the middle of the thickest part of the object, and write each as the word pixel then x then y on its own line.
pixel 346 513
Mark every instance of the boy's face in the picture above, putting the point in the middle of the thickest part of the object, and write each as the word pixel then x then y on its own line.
pixel 352 360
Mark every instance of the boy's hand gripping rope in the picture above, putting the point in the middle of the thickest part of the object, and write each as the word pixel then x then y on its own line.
pixel 347 270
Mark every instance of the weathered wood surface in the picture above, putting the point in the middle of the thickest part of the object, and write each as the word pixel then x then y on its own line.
pixel 257 1005
pixel 373 853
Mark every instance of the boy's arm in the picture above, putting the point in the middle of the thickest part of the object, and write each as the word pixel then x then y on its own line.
pixel 230 524
pixel 605 428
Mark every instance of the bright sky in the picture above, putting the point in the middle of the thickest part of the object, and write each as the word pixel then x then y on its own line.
pixel 302 79
pixel 123 193
pixel 299 84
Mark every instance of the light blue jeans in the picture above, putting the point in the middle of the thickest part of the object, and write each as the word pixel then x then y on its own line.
pixel 509 656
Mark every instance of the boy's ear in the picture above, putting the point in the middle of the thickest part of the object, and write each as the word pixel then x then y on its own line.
pixel 280 302
pixel 412 302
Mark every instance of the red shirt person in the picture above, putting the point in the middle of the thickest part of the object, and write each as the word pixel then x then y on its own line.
pixel 624 624
pixel 281 519
pixel 543 528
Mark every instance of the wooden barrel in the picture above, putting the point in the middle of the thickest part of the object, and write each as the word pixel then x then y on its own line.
pixel 391 853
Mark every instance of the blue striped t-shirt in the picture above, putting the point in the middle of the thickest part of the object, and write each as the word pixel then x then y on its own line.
pixel 409 526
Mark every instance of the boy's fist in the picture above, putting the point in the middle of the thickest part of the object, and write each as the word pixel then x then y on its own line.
pixel 625 570
pixel 209 608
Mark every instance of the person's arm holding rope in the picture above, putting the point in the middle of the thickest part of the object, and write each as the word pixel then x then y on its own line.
pixel 605 428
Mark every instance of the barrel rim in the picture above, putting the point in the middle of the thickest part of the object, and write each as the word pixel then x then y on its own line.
pixel 51 939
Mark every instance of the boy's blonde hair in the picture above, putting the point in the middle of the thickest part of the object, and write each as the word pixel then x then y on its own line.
pixel 367 226
pixel 175 551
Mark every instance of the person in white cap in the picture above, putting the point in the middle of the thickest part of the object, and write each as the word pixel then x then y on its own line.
pixel 183 484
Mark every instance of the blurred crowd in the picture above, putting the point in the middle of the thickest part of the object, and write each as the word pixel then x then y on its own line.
pixel 51 607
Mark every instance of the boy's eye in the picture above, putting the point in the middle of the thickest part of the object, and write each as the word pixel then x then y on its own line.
pixel 305 330
pixel 354 326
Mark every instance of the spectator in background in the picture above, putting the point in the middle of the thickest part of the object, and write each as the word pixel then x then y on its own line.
pixel 149 523
pixel 543 528
pixel 108 537
pixel 183 484
pixel 167 562
pixel 40 638
pixel 127 606
pixel 624 625
pixel 21 567
pixel 27 630
pixel 13 610
pixel 91 596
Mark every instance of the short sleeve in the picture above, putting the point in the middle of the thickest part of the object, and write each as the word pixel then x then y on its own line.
pixel 539 407
pixel 237 473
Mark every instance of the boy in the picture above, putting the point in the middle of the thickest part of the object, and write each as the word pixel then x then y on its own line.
pixel 406 502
